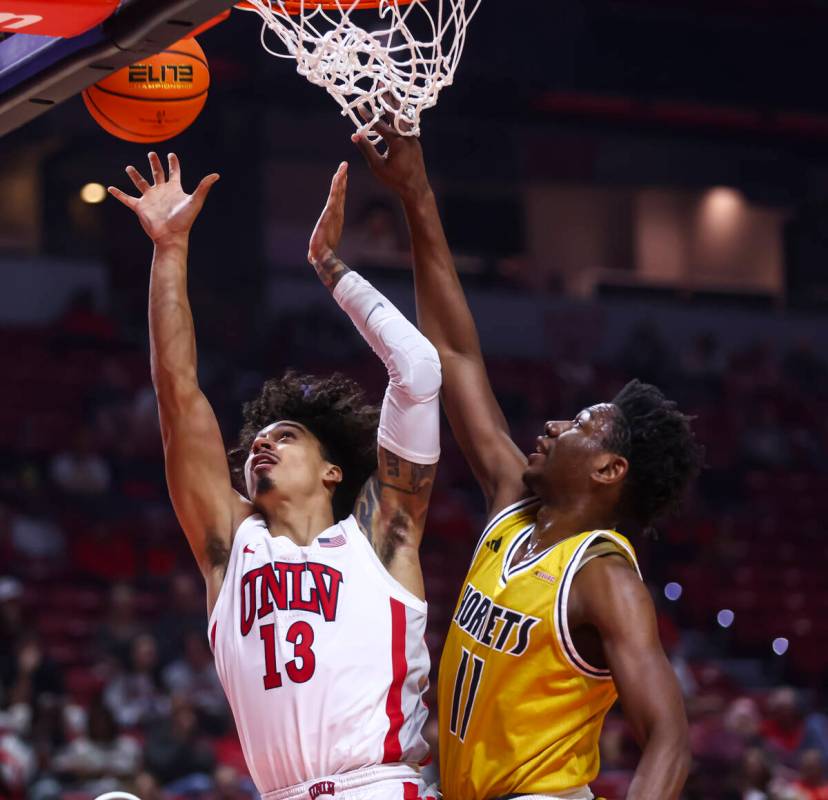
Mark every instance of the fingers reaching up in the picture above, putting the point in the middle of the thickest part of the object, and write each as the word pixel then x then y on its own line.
pixel 328 231
pixel 174 167
pixel 164 209
pixel 158 176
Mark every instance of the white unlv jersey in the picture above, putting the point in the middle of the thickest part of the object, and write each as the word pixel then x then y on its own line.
pixel 321 654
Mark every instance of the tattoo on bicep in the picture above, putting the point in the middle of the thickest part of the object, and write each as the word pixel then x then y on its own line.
pixel 331 271
pixel 367 507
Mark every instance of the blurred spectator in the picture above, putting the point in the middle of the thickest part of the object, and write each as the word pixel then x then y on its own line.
pixel 788 731
pixel 719 739
pixel 228 784
pixel 135 696
pixel 193 678
pixel 812 783
pixel 122 626
pixel 99 760
pixel 176 750
pixel 81 470
pixel 27 673
pixel 108 401
pixel 754 777
pixel 184 612
pixel 35 536
pixel 17 766
pixel 146 787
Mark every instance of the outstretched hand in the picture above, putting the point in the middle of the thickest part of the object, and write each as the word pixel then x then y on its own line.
pixel 165 210
pixel 401 168
pixel 328 231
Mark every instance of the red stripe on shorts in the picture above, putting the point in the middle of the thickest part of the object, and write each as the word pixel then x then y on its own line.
pixel 410 791
pixel 392 751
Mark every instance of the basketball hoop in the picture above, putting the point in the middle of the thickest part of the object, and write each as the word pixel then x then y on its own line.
pixel 393 68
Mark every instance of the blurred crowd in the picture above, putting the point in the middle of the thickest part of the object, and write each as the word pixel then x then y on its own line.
pixel 106 675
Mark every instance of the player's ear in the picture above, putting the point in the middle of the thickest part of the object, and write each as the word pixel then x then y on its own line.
pixel 610 468
pixel 332 475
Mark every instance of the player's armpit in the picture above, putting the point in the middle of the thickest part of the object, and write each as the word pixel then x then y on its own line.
pixel 198 477
pixel 608 595
pixel 391 511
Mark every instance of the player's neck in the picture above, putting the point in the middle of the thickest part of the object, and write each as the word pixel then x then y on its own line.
pixel 555 522
pixel 300 521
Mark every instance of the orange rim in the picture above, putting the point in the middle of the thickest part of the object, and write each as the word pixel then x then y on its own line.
pixel 294 7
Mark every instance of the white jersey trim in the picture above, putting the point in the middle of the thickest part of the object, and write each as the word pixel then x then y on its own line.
pixel 520 505
pixel 561 617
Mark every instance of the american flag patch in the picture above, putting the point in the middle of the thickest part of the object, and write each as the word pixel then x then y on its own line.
pixel 335 541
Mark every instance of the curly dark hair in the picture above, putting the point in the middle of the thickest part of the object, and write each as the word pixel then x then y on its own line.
pixel 334 410
pixel 662 451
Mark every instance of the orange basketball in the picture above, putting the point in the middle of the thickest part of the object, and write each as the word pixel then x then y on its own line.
pixel 155 98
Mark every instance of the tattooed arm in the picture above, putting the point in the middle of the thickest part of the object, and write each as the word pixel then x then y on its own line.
pixel 391 509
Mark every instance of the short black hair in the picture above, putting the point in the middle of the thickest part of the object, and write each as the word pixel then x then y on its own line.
pixel 661 448
pixel 334 410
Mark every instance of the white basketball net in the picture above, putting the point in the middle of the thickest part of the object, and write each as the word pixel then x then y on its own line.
pixel 387 72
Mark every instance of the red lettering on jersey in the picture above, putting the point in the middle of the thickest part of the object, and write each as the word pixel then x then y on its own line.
pixel 273 586
pixel 328 597
pixel 297 603
pixel 248 598
pixel 281 589
pixel 323 787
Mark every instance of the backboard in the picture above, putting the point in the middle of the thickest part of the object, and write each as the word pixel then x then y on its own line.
pixel 38 72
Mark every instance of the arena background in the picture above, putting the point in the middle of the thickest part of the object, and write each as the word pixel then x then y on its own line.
pixel 633 188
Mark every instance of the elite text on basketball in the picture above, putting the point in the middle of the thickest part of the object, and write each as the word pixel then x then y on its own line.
pixel 164 74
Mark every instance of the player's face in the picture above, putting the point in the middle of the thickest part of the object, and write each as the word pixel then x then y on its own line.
pixel 567 452
pixel 285 457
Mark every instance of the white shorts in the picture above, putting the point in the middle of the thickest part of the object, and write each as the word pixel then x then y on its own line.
pixel 385 782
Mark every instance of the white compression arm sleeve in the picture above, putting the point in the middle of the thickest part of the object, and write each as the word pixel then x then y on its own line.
pixel 410 420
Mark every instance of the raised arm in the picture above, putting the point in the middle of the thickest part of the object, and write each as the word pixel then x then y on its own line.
pixel 198 477
pixel 391 509
pixel 608 595
pixel 444 316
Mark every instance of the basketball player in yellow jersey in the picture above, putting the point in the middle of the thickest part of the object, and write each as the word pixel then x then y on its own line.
pixel 553 622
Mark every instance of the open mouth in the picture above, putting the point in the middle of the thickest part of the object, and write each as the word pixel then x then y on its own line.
pixel 262 463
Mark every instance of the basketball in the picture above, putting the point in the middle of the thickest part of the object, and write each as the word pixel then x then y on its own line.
pixel 155 98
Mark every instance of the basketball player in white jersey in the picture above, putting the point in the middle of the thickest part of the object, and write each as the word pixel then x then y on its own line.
pixel 317 614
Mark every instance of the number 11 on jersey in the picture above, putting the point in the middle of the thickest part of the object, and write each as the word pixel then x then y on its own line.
pixel 461 712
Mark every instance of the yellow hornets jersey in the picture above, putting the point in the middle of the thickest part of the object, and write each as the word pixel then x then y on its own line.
pixel 520 710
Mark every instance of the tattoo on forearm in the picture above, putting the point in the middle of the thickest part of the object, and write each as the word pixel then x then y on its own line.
pixel 404 476
pixel 392 465
pixel 331 271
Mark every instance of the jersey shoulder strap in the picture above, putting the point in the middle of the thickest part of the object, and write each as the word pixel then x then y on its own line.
pixel 507 522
